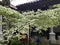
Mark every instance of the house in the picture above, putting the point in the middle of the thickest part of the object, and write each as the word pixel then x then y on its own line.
pixel 15 3
pixel 32 4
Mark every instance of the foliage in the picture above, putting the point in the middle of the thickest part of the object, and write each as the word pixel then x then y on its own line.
pixel 54 6
pixel 10 22
pixel 44 19
pixel 15 23
pixel 14 42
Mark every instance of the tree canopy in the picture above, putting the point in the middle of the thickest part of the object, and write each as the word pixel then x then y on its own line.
pixel 22 22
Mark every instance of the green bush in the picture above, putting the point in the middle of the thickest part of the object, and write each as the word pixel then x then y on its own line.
pixel 14 41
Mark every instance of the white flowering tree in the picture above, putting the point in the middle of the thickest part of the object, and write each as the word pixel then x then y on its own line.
pixel 22 22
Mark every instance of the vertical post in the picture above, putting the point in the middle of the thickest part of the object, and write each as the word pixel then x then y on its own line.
pixel 29 34
pixel 1 28
pixel 1 33
pixel 52 36
pixel 28 37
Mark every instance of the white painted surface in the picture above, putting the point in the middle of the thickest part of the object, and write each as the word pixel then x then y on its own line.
pixel 0 0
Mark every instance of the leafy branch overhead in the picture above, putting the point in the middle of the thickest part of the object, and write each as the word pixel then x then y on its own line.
pixel 40 19
pixel 14 20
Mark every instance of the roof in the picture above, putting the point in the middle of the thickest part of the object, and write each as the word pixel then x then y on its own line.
pixel 24 5
pixel 20 2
